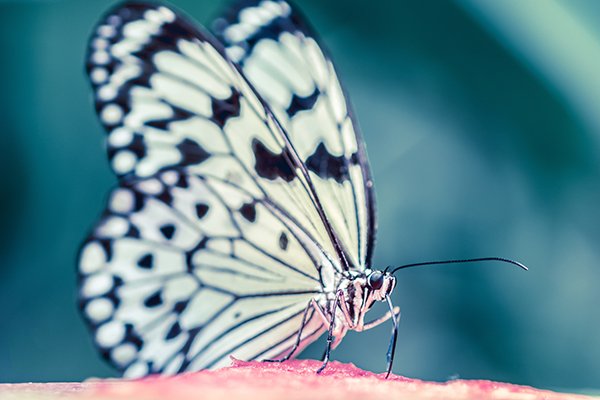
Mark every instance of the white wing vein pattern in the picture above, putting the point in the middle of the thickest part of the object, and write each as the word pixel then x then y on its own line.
pixel 211 245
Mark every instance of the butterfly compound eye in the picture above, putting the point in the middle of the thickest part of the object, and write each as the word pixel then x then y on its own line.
pixel 375 280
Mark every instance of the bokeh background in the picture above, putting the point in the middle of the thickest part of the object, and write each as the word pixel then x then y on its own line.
pixel 482 120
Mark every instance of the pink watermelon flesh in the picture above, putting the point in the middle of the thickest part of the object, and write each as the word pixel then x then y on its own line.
pixel 290 380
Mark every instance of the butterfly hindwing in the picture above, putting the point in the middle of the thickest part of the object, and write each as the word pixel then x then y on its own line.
pixel 281 56
pixel 185 270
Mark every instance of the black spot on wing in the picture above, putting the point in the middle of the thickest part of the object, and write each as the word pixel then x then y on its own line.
pixel 270 165
pixel 283 241
pixel 174 331
pixel 180 306
pixel 222 110
pixel 182 181
pixel 146 261
pixel 201 210
pixel 327 166
pixel 248 211
pixel 166 197
pixel 154 300
pixel 191 153
pixel 302 103
pixel 133 232
pixel 167 231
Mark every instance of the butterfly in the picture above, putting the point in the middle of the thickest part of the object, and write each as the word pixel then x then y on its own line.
pixel 243 222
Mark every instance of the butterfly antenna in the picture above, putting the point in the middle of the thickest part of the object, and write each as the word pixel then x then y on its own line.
pixel 467 260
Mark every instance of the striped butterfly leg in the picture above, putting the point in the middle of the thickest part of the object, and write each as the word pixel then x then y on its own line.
pixel 394 313
pixel 330 338
pixel 298 338
pixel 392 346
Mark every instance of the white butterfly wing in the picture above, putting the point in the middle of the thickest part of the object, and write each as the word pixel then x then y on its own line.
pixel 214 242
pixel 280 55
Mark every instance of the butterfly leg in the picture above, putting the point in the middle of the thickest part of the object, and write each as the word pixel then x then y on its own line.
pixel 298 338
pixel 392 347
pixel 382 319
pixel 321 313
pixel 345 312
pixel 336 304
pixel 324 318
pixel 349 322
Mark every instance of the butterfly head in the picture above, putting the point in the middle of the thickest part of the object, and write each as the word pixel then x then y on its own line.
pixel 364 289
pixel 360 292
pixel 380 284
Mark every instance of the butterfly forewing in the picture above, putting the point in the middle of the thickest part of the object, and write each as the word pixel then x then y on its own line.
pixel 279 53
pixel 220 231
pixel 170 99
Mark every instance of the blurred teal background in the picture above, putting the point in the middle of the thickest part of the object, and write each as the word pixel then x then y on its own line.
pixel 482 120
